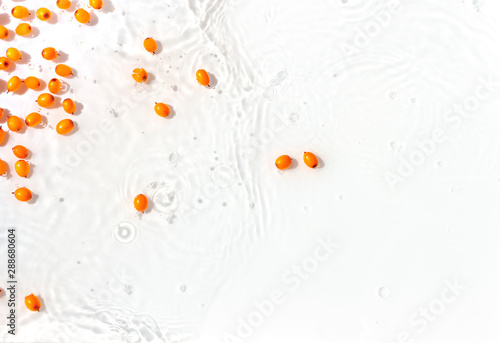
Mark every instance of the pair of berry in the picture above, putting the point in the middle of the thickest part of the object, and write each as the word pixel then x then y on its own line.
pixel 284 161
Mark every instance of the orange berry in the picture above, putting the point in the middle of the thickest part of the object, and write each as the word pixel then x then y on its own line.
pixel 4 63
pixel 2 135
pixel 140 75
pixel 4 32
pixel 310 159
pixel 95 4
pixel 14 84
pixel 54 86
pixel 43 14
pixel 63 70
pixel 3 168
pixel 203 78
pixel 49 53
pixel 69 106
pixel 82 16
pixel 283 162
pixel 32 82
pixel 23 29
pixel 33 119
pixel 45 100
pixel 20 12
pixel 15 123
pixel 150 45
pixel 32 302
pixel 23 194
pixel 20 151
pixel 141 203
pixel 65 126
pixel 162 109
pixel 1 112
pixel 63 4
pixel 13 54
pixel 22 168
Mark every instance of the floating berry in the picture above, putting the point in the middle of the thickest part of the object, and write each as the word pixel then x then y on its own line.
pixel 22 168
pixel 13 54
pixel 54 86
pixel 15 123
pixel 140 75
pixel 20 151
pixel 49 53
pixel 33 119
pixel 63 4
pixel 4 32
pixel 150 45
pixel 43 14
pixel 162 109
pixel 82 16
pixel 63 70
pixel 14 84
pixel 2 134
pixel 3 168
pixel 4 63
pixel 45 100
pixel 69 106
pixel 1 112
pixel 95 4
pixel 141 203
pixel 203 78
pixel 32 302
pixel 310 159
pixel 20 12
pixel 65 126
pixel 32 82
pixel 23 29
pixel 283 162
pixel 23 194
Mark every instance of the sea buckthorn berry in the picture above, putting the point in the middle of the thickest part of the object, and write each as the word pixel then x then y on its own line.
pixel 1 112
pixel 150 45
pixel 14 84
pixel 54 86
pixel 310 159
pixel 95 4
pixel 20 151
pixel 4 32
pixel 4 63
pixel 82 16
pixel 32 82
pixel 15 123
pixel 32 302
pixel 283 162
pixel 23 29
pixel 3 168
pixel 63 4
pixel 20 12
pixel 141 203
pixel 162 109
pixel 49 53
pixel 69 106
pixel 22 168
pixel 45 100
pixel 43 14
pixel 65 126
pixel 23 194
pixel 33 119
pixel 63 70
pixel 140 75
pixel 13 54
pixel 203 78
pixel 2 135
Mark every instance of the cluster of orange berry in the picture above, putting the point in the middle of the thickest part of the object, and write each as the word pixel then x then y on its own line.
pixel 284 161
pixel 163 110
pixel 45 100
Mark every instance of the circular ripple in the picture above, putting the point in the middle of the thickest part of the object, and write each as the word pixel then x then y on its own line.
pixel 125 233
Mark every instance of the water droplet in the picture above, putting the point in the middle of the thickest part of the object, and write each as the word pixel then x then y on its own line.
pixel 341 197
pixel 392 95
pixel 413 100
pixel 61 199
pixel 439 164
pixel 293 117
pixel 183 288
pixel 384 292
pixel 224 204
pixel 306 208
pixel 125 232
pixel 251 205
